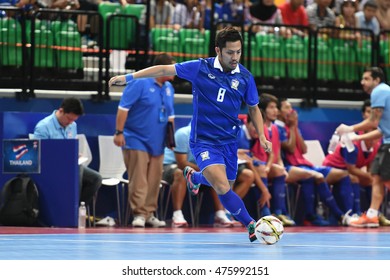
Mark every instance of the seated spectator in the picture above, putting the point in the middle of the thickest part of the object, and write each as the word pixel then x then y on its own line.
pixel 320 15
pixel 265 11
pixel 160 13
pixel 293 13
pixel 61 124
pixel 187 14
pixel 383 14
pixel 366 19
pixel 347 19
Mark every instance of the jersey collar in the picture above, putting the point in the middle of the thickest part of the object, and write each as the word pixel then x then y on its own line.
pixel 218 65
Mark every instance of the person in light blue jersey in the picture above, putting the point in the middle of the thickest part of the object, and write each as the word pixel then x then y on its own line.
pixel 144 111
pixel 373 82
pixel 219 86
pixel 61 124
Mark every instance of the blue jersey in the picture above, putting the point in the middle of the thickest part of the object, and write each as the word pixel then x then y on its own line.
pixel 149 107
pixel 380 98
pixel 217 98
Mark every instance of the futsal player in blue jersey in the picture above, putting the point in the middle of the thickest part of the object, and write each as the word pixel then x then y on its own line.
pixel 219 85
pixel 373 83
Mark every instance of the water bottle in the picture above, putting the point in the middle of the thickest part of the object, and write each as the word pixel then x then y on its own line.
pixel 333 142
pixel 320 209
pixel 348 143
pixel 82 214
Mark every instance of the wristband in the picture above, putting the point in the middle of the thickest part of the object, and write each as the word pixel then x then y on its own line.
pixel 129 78
pixel 117 132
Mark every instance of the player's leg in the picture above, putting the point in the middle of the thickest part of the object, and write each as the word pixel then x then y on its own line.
pixel 277 176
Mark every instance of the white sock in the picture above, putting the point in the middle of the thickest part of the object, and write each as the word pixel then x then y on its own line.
pixel 371 213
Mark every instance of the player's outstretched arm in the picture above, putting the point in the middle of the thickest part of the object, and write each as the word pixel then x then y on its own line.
pixel 150 72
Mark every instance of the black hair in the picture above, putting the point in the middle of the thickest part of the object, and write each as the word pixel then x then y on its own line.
pixel 72 105
pixel 370 3
pixel 265 99
pixel 366 103
pixel 376 73
pixel 163 59
pixel 227 34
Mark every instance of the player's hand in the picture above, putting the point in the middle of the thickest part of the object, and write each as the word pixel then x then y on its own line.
pixel 265 199
pixel 117 80
pixel 267 145
pixel 343 128
pixel 353 136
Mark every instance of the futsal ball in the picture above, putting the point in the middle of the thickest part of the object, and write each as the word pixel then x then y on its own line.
pixel 269 230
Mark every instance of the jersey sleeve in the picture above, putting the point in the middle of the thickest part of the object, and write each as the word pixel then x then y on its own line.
pixel 349 157
pixel 251 95
pixel 188 70
pixel 378 99
pixel 131 94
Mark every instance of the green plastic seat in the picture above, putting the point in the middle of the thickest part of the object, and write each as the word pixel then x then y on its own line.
pixel 68 52
pixel 122 29
pixel 168 44
pixel 255 66
pixel 345 59
pixel 68 25
pixel 324 61
pixel 273 59
pixel 194 48
pixel 135 10
pixel 11 39
pixel 297 60
pixel 44 52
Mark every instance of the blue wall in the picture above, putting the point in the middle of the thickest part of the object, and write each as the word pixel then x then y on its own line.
pixel 21 116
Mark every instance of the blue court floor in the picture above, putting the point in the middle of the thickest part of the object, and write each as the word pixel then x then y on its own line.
pixel 298 243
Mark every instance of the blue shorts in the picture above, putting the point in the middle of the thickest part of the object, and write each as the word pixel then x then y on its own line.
pixel 324 170
pixel 206 155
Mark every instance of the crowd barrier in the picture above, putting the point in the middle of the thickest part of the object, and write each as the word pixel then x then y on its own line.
pixel 46 50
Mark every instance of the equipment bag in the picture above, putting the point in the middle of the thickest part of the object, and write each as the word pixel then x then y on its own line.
pixel 19 202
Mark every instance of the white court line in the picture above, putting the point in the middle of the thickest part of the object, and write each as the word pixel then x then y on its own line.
pixel 186 242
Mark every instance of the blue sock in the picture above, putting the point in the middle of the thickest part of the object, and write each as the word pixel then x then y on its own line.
pixel 234 204
pixel 345 194
pixel 198 178
pixel 307 192
pixel 265 211
pixel 327 197
pixel 356 198
pixel 278 192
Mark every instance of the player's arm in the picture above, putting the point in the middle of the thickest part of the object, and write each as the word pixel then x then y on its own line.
pixel 364 177
pixel 372 135
pixel 367 124
pixel 182 161
pixel 150 72
pixel 257 120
